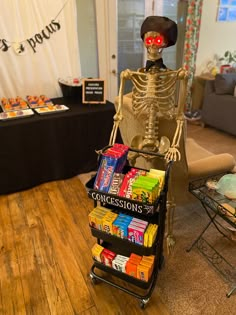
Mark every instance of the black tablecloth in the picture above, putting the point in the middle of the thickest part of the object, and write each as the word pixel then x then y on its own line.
pixel 55 146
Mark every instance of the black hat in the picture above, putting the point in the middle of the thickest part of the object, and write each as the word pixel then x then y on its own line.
pixel 162 25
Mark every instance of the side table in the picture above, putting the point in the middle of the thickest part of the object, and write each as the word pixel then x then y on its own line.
pixel 215 207
pixel 199 90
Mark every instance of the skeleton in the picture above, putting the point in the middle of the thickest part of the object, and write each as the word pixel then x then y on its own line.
pixel 153 98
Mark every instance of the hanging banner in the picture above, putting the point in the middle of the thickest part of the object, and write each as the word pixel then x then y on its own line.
pixel 39 38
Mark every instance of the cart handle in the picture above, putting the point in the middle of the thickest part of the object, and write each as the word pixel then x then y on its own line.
pixel 134 150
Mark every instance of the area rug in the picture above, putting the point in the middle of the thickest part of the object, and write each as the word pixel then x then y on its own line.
pixel 188 283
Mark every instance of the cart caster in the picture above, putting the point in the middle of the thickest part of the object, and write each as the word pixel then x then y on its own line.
pixel 230 292
pixel 93 279
pixel 143 303
pixel 162 262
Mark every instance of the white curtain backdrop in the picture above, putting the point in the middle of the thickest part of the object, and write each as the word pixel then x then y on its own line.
pixel 50 48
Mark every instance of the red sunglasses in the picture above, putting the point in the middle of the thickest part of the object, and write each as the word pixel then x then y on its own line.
pixel 158 40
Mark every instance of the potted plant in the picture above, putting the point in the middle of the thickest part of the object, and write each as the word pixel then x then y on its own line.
pixel 228 59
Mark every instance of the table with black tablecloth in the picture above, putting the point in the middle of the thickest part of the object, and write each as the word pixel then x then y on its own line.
pixel 54 146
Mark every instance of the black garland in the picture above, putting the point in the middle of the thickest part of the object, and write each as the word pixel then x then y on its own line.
pixel 33 41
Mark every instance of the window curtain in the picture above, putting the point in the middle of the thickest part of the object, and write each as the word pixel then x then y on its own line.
pixel 193 23
pixel 38 45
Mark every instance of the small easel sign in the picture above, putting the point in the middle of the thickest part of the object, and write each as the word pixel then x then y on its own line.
pixel 94 91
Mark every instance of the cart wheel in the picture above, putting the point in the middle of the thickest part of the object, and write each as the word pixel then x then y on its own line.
pixel 162 262
pixel 143 303
pixel 93 279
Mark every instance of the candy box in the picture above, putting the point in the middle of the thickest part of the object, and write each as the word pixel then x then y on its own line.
pixel 131 268
pixel 105 173
pixel 146 234
pixel 107 257
pixel 139 222
pixel 143 272
pixel 136 257
pixel 142 193
pixel 136 234
pixel 97 252
pixel 152 235
pixel 107 222
pixel 123 230
pixel 116 183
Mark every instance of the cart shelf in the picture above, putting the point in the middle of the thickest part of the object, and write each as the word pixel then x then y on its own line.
pixel 130 205
pixel 120 243
pixel 139 283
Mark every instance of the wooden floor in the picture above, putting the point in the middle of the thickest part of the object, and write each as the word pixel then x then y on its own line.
pixel 45 245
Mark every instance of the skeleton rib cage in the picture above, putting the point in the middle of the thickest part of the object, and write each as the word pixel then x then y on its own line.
pixel 154 91
pixel 155 95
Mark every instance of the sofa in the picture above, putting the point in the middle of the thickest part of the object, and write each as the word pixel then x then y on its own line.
pixel 219 103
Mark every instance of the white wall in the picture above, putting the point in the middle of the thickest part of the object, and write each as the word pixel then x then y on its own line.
pixel 215 37
pixel 87 37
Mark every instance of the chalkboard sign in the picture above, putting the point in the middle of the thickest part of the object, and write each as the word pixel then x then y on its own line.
pixel 94 91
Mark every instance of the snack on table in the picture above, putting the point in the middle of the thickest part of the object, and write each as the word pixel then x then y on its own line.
pixel 3 115
pixel 46 100
pixel 12 114
pixel 50 108
pixel 9 104
pixel 38 101
pixel 16 114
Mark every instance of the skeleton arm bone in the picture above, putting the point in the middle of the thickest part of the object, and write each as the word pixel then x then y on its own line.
pixel 173 152
pixel 118 116
pixel 183 77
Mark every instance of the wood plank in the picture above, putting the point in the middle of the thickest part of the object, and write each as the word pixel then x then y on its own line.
pixel 79 206
pixel 28 266
pixel 12 297
pixel 52 280
pixel 90 311
pixel 79 246
pixel 58 231
pixel 6 229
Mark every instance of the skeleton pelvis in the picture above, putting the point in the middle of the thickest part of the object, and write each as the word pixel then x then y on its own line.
pixel 136 142
pixel 139 142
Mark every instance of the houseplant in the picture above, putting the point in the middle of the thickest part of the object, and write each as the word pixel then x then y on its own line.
pixel 229 57
pixel 228 61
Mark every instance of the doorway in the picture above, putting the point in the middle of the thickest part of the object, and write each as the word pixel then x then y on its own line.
pixel 119 44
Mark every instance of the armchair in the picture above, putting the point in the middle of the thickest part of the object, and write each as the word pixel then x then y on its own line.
pixel 195 162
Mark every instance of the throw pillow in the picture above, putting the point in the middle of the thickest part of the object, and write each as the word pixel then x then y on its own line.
pixel 225 83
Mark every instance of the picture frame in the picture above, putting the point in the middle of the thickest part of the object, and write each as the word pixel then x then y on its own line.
pixel 94 91
pixel 226 11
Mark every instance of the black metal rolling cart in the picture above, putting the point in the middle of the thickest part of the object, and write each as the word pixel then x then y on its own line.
pixel 154 213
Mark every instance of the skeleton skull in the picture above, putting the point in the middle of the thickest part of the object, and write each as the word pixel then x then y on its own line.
pixel 154 43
